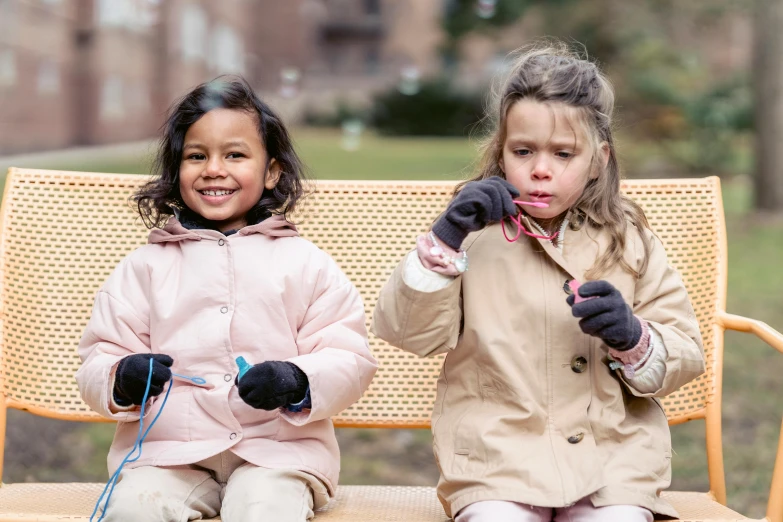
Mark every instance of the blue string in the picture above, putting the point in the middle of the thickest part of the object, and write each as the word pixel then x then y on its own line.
pixel 201 381
pixel 136 447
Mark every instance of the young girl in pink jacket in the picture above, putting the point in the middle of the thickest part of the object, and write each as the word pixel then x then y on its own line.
pixel 226 276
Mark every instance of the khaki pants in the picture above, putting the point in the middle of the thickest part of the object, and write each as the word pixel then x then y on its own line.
pixel 225 484
pixel 582 511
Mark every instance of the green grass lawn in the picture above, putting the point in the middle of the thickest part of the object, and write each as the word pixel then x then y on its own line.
pixel 752 405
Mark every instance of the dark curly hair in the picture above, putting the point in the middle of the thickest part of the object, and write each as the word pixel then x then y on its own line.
pixel 154 200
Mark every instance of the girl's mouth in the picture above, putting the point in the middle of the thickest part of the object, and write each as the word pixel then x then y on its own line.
pixel 216 196
pixel 540 197
pixel 222 192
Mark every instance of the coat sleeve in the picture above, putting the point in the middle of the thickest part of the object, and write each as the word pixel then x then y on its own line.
pixel 661 299
pixel 333 346
pixel 423 323
pixel 115 330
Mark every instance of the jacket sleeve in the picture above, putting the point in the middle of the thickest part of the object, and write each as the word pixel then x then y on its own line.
pixel 116 329
pixel 423 323
pixel 333 346
pixel 661 299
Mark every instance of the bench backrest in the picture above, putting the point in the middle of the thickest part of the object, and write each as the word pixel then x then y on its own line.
pixel 62 233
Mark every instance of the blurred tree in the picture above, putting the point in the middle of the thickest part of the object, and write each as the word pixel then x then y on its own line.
pixel 668 94
pixel 768 80
pixel 435 110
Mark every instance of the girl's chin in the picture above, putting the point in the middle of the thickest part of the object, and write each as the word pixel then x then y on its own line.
pixel 543 213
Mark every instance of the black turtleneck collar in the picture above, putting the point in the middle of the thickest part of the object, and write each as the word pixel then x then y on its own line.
pixel 193 221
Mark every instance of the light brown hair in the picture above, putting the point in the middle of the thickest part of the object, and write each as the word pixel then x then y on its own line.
pixel 552 73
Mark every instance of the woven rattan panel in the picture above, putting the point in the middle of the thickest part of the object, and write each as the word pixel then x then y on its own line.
pixel 51 502
pixel 687 215
pixel 63 233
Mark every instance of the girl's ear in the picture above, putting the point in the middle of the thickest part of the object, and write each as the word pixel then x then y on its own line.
pixel 604 154
pixel 272 174
pixel 603 159
pixel 502 165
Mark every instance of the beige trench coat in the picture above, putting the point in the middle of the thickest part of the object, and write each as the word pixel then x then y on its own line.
pixel 518 415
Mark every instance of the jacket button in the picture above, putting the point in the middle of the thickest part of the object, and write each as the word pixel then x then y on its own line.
pixel 227 377
pixel 576 439
pixel 224 310
pixel 578 364
pixel 232 436
pixel 566 288
pixel 221 242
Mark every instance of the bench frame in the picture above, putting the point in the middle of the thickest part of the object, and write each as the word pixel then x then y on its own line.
pixel 402 394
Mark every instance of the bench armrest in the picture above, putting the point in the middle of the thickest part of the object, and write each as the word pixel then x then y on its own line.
pixel 775 339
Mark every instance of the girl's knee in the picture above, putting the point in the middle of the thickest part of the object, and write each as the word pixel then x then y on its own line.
pixel 160 495
pixel 262 494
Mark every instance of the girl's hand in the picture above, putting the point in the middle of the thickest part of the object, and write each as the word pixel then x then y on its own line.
pixel 130 379
pixel 273 384
pixel 607 316
pixel 477 205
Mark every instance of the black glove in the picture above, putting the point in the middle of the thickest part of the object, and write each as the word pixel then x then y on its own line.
pixel 130 381
pixel 273 384
pixel 607 316
pixel 477 205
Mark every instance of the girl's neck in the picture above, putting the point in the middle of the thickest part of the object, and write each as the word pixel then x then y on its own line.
pixel 550 225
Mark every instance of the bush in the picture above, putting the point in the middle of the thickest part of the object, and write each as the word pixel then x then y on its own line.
pixel 334 118
pixel 435 110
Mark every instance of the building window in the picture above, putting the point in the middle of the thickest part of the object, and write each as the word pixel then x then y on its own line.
pixel 131 14
pixel 112 103
pixel 193 33
pixel 7 68
pixel 48 78
pixel 372 7
pixel 372 61
pixel 227 53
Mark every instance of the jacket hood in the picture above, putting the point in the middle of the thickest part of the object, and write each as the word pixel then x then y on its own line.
pixel 273 226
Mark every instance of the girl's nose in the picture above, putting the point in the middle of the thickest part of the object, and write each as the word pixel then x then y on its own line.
pixel 214 168
pixel 541 169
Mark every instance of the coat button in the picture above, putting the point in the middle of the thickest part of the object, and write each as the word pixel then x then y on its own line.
pixel 227 377
pixel 578 364
pixel 232 436
pixel 221 242
pixel 566 288
pixel 576 439
pixel 224 310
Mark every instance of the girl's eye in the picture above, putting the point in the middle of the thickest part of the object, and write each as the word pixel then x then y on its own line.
pixel 196 157
pixel 563 155
pixel 522 152
pixel 234 155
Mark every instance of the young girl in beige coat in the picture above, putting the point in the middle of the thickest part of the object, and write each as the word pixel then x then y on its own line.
pixel 547 405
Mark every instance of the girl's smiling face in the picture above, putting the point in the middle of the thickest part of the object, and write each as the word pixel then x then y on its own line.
pixel 224 169
pixel 547 156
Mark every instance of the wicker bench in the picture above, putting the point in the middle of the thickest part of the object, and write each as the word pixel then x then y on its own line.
pixel 63 232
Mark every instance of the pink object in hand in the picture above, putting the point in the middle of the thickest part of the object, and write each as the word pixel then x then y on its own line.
pixel 537 204
pixel 520 227
pixel 574 286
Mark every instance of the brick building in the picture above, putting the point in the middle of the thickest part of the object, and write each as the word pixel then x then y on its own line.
pixel 76 72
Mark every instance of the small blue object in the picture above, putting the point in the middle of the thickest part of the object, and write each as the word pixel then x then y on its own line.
pixel 195 380
pixel 136 447
pixel 243 366
pixel 304 404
